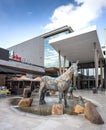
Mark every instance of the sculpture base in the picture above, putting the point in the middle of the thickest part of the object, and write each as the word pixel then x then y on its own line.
pixel 46 109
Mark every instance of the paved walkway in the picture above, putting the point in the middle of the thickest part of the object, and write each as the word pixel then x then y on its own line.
pixel 12 119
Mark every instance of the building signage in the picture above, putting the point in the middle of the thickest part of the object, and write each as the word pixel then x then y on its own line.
pixel 14 56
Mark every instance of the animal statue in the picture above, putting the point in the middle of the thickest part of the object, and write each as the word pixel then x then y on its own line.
pixel 60 84
pixel 70 90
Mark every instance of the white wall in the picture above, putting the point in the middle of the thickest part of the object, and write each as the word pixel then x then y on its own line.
pixel 31 51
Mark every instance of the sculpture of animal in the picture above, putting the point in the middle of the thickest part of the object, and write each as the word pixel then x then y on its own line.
pixel 60 84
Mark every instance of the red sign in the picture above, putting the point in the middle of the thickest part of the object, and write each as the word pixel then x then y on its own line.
pixel 16 57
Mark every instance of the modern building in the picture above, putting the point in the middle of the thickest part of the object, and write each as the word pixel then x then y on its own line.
pixel 83 45
pixel 104 53
pixel 50 54
pixel 104 46
pixel 44 51
pixel 34 55
pixel 37 51
pixel 31 51
pixel 104 50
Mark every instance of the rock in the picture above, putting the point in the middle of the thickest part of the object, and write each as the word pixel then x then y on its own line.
pixel 25 102
pixel 52 92
pixel 92 114
pixel 57 109
pixel 78 109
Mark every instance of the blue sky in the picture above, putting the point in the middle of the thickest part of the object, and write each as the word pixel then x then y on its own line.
pixel 21 20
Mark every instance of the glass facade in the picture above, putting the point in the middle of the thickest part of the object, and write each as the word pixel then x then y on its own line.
pixel 51 58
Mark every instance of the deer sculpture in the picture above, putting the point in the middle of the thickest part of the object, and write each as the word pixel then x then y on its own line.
pixel 60 84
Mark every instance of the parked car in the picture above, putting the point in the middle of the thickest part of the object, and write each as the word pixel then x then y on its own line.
pixel 4 91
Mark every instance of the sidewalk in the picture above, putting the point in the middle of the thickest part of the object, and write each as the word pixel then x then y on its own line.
pixel 12 119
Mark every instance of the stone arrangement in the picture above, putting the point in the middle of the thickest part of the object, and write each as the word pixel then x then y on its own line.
pixel 77 106
pixel 71 105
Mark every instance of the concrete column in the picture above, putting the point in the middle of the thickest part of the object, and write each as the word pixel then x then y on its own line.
pixel 87 76
pixel 82 71
pixel 96 65
pixel 87 71
pixel 101 72
pixel 64 64
pixel 60 64
pixel 88 84
pixel 105 75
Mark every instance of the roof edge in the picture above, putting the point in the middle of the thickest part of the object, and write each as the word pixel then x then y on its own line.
pixel 56 31
pixel 76 33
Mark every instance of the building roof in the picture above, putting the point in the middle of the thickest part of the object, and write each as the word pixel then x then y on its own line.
pixel 22 67
pixel 56 31
pixel 78 45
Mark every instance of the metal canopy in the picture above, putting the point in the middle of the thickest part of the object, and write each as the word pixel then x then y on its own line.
pixel 78 45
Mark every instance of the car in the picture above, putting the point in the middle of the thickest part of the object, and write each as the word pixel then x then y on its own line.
pixel 4 91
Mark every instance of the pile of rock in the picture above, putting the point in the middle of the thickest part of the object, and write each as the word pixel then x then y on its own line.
pixel 88 109
pixel 90 112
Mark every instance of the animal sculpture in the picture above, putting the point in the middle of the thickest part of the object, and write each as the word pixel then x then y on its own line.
pixel 60 84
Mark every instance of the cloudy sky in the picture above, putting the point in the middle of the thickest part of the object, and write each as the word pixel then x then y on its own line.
pixel 21 20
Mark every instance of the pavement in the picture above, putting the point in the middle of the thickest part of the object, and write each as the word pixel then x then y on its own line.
pixel 12 119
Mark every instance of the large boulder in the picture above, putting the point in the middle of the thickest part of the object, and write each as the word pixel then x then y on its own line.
pixel 25 102
pixel 92 114
pixel 78 109
pixel 57 109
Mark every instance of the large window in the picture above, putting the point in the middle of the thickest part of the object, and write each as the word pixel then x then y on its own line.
pixel 51 58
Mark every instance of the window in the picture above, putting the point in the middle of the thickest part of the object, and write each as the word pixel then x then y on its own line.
pixel 50 55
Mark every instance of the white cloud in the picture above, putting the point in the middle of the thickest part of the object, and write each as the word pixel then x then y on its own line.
pixel 78 16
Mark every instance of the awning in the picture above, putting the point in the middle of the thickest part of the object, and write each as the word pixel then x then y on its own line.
pixel 4 70
pixel 78 45
pixel 38 79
